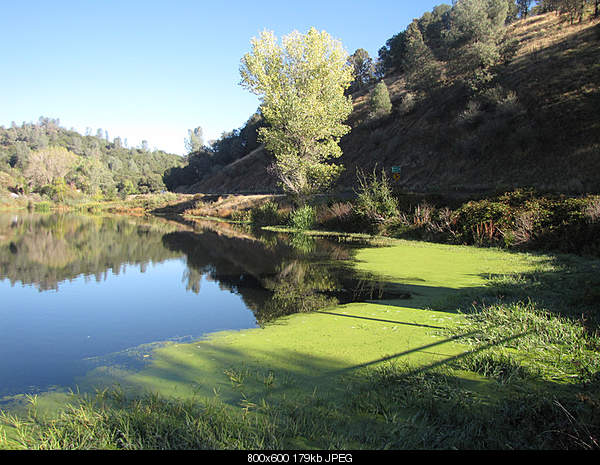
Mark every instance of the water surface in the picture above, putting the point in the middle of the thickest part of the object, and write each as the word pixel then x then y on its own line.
pixel 80 290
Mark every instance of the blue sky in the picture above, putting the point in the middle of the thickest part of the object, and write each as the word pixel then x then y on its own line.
pixel 152 70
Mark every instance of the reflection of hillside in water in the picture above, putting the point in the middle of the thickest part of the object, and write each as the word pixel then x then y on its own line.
pixel 45 250
pixel 276 274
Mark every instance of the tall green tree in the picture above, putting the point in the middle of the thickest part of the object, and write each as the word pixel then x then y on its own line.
pixel 477 30
pixel 391 55
pixel 364 69
pixel 301 83
pixel 423 71
pixel 432 26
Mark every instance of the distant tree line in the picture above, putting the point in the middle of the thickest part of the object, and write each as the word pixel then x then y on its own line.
pixel 44 157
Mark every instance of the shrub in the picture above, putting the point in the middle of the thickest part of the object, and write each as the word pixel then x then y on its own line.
pixel 57 190
pixel 267 214
pixel 243 216
pixel 303 218
pixel 42 206
pixel 482 222
pixel 592 211
pixel 375 202
pixel 381 104
pixel 408 103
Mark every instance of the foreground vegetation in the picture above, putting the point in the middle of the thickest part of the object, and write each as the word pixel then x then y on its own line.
pixel 518 220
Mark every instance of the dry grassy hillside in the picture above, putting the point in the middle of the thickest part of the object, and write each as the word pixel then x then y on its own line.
pixel 540 126
pixel 246 175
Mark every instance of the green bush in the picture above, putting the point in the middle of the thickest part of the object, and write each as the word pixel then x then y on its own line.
pixel 375 202
pixel 482 222
pixel 267 214
pixel 380 102
pixel 303 218
pixel 522 219
pixel 57 190
pixel 243 216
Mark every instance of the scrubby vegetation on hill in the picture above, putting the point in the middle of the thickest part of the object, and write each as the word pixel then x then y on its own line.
pixel 528 121
pixel 55 163
pixel 207 161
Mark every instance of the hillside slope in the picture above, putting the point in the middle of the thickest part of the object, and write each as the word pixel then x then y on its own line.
pixel 249 174
pixel 538 127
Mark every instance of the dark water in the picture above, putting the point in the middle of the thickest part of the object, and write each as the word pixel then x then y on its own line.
pixel 76 290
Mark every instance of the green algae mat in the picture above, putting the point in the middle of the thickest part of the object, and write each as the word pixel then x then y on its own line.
pixel 318 352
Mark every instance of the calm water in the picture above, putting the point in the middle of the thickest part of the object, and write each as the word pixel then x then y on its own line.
pixel 77 290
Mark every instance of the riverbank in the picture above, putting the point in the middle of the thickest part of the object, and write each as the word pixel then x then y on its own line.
pixel 521 220
pixel 424 372
pixel 138 205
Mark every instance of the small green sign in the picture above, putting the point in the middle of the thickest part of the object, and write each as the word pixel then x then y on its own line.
pixel 396 169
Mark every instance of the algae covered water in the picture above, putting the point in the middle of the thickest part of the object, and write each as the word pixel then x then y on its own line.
pixel 77 291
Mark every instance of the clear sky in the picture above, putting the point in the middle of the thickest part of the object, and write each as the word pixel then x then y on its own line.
pixel 154 69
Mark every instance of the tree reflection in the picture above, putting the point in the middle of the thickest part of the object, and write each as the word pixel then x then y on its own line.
pixel 275 274
pixel 298 287
pixel 45 250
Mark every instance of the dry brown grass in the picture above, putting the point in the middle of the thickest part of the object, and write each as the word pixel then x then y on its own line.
pixel 224 206
pixel 543 31
pixel 593 210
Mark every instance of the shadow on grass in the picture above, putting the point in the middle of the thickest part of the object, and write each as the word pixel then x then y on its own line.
pixel 305 401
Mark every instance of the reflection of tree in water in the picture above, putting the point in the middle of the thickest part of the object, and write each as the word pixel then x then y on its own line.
pixel 47 249
pixel 192 279
pixel 303 243
pixel 276 275
pixel 299 286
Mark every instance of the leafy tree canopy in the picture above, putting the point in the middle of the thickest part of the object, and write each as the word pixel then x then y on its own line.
pixel 302 85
